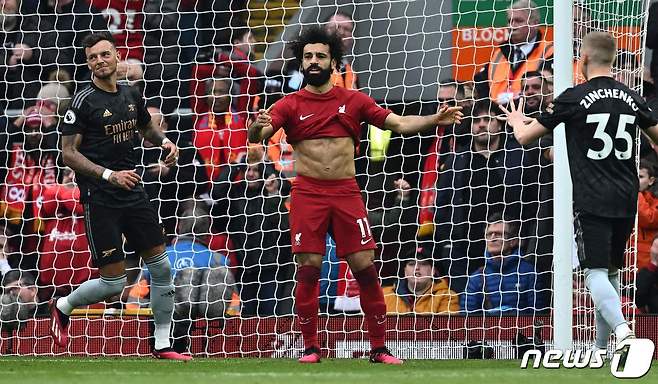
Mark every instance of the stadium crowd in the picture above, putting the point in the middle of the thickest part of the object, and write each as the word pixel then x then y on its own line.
pixel 468 231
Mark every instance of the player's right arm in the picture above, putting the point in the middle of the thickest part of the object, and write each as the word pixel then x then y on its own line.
pixel 261 129
pixel 81 164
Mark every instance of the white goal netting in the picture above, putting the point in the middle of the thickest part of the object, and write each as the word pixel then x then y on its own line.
pixel 442 205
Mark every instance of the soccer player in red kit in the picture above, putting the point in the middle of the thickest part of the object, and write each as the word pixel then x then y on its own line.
pixel 323 124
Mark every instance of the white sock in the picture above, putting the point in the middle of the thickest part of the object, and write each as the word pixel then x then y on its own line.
pixel 63 305
pixel 162 298
pixel 161 334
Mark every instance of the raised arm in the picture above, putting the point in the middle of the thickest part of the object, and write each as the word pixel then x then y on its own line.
pixel 407 125
pixel 82 165
pixel 526 130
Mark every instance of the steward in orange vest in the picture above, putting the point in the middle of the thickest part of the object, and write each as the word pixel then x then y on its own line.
pixel 501 80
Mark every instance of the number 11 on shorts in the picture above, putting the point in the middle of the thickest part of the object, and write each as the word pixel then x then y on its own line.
pixel 363 226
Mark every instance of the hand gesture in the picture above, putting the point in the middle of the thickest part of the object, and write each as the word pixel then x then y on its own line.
pixel 264 117
pixel 272 185
pixel 514 115
pixel 172 156
pixel 125 179
pixel 403 188
pixel 449 115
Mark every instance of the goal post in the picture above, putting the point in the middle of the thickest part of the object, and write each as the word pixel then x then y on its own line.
pixel 562 209
pixel 240 303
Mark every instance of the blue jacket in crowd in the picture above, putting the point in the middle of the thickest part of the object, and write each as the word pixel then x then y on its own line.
pixel 508 288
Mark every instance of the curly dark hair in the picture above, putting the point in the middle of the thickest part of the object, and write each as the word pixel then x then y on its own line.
pixel 315 35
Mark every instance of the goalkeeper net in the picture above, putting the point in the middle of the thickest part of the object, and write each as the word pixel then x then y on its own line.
pixel 435 203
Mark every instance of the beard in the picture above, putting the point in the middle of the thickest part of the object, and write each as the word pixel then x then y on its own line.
pixel 105 77
pixel 317 79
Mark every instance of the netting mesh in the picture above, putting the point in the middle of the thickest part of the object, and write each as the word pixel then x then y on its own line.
pixel 441 204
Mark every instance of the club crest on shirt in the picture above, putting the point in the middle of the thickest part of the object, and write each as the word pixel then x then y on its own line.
pixel 69 117
pixel 131 107
pixel 341 109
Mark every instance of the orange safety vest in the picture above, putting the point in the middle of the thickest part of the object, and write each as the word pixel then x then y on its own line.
pixel 501 77
pixel 346 79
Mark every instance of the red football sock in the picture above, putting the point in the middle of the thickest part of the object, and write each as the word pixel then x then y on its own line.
pixel 373 305
pixel 307 303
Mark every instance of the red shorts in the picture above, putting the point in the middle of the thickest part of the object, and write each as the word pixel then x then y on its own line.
pixel 334 206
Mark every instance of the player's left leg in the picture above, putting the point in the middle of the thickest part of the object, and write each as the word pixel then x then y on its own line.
pixel 373 305
pixel 162 301
pixel 603 330
pixel 143 231
pixel 601 243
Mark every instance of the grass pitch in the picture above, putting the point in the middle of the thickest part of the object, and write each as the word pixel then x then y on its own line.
pixel 24 370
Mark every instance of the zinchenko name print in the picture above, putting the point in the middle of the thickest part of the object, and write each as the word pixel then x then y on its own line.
pixel 607 93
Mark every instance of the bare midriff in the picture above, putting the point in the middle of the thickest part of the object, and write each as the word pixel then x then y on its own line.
pixel 328 158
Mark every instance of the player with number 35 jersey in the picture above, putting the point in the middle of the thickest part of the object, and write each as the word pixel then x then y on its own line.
pixel 601 119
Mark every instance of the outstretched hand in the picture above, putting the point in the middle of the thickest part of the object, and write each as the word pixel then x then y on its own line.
pixel 514 115
pixel 449 115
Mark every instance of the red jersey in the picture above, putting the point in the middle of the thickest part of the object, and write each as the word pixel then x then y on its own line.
pixel 64 260
pixel 338 113
pixel 220 140
pixel 125 21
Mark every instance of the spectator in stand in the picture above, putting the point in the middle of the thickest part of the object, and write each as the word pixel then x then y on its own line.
pixel 220 135
pixel 30 157
pixel 445 141
pixel 204 285
pixel 25 60
pixel 64 259
pixel 537 93
pixel 342 25
pixel 421 291
pixel 507 283
pixel 526 50
pixel 55 96
pixel 19 301
pixel 250 205
pixel 168 187
pixel 63 24
pixel 238 57
pixel 647 214
pixel 488 177
pixel 125 21
pixel 646 283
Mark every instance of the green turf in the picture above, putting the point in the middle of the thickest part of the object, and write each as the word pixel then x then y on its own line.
pixel 21 370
